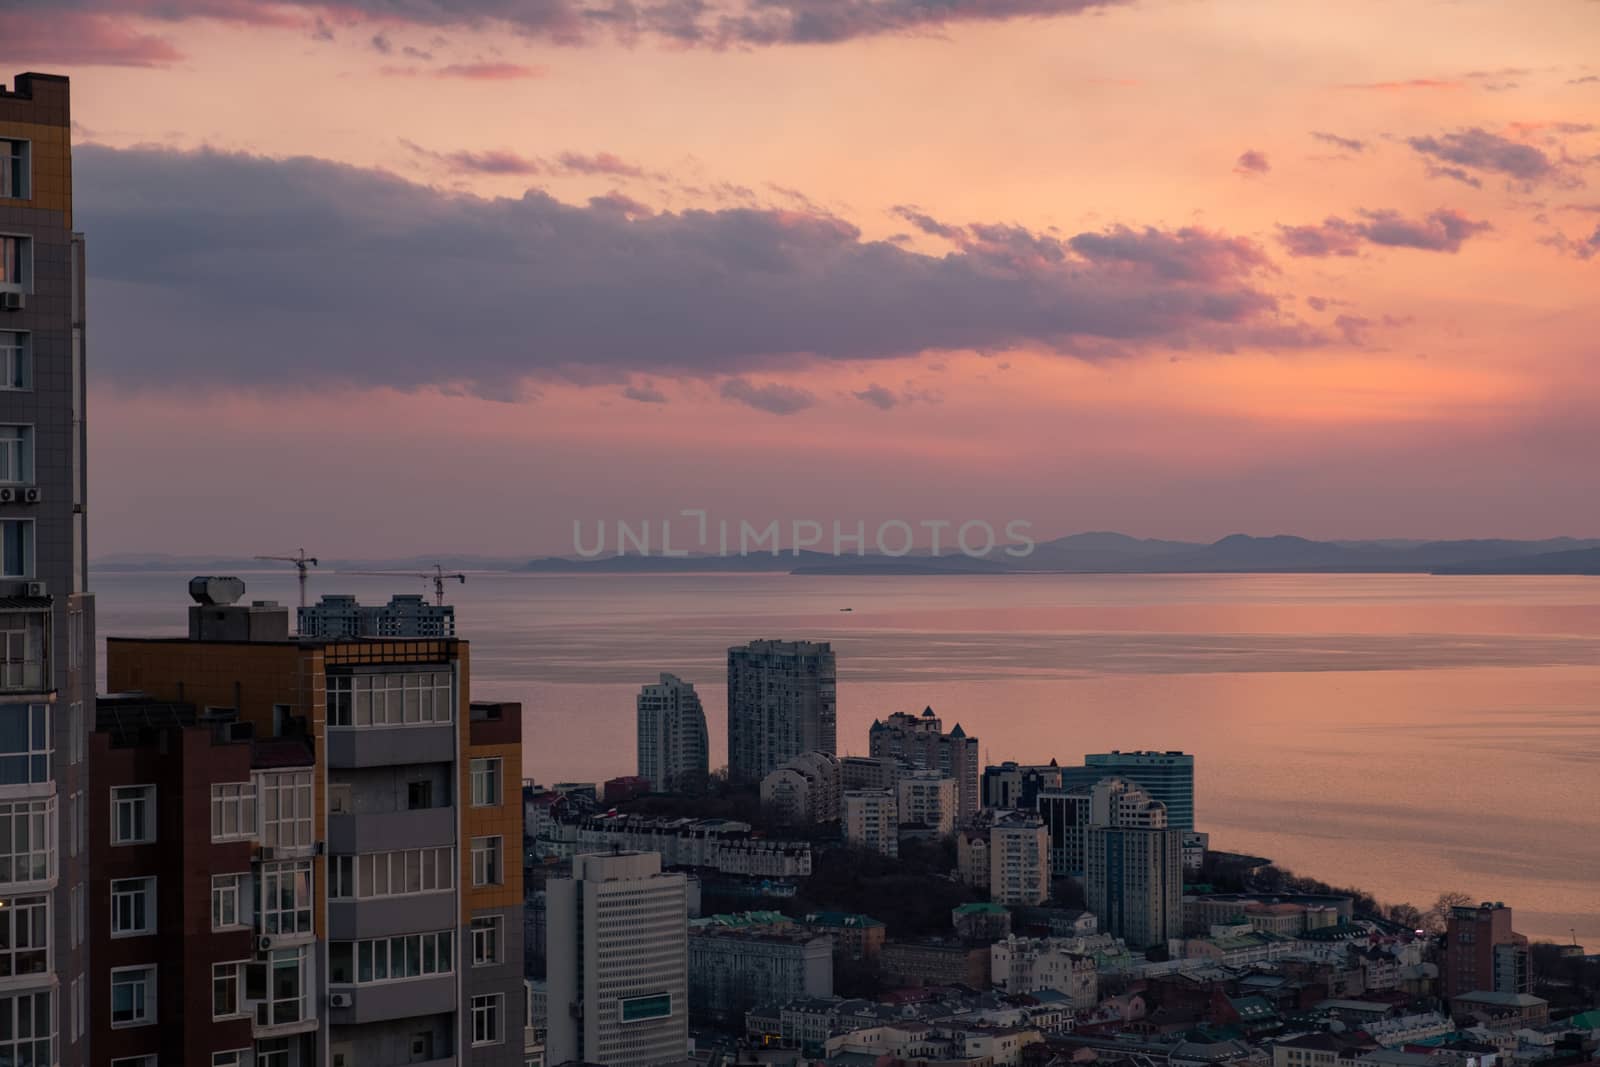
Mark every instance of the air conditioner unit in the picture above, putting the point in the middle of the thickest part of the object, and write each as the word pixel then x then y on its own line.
pixel 11 301
pixel 241 731
pixel 9 495
pixel 264 943
pixel 38 589
pixel 340 1000
pixel 31 495
pixel 266 854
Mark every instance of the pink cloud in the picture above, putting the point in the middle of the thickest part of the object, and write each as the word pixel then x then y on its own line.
pixel 489 71
pixel 81 40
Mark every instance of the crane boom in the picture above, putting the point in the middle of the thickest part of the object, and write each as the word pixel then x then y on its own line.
pixel 438 576
pixel 301 561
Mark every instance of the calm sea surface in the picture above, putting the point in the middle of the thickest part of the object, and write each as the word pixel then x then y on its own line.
pixel 1407 734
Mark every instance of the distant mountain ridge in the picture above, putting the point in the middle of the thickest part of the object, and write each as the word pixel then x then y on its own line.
pixel 1093 552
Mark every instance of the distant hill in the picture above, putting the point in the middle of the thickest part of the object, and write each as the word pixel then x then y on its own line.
pixel 1575 561
pixel 1097 552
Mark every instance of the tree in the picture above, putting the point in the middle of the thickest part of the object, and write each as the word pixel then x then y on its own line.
pixel 1406 915
pixel 1438 916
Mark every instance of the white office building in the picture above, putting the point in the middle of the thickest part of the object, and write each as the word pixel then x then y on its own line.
pixel 617 962
pixel 872 820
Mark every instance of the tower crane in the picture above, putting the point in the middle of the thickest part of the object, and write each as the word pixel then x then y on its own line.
pixel 301 561
pixel 438 576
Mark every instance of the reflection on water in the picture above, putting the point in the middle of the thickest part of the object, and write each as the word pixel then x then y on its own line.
pixel 1403 733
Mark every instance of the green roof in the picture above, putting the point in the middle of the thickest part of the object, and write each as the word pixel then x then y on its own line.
pixel 980 907
pixel 840 918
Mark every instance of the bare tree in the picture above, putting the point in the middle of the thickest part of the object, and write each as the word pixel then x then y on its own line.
pixel 1438 916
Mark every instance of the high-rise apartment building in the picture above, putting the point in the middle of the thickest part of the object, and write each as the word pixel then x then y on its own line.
pixel 1166 776
pixel 305 851
pixel 406 615
pixel 47 675
pixel 1066 821
pixel 673 750
pixel 617 962
pixel 781 702
pixel 1134 866
pixel 919 741
pixel 1482 954
pixel 1019 859
pixel 871 820
pixel 928 798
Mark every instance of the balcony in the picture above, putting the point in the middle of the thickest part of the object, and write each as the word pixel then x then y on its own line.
pixel 418 913
pixel 388 746
pixel 385 831
pixel 281 1018
pixel 407 998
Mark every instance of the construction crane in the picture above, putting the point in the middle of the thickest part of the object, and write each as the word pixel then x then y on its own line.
pixel 301 562
pixel 437 576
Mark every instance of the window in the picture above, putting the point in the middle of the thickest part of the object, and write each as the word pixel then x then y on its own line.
pixel 286 809
pixel 16 548
pixel 80 914
pixel 486 1018
pixel 75 726
pixel 79 1009
pixel 16 360
pixel 23 637
pixel 133 814
pixel 16 262
pixel 486 782
pixel 24 937
pixel 486 860
pixel 225 1001
pixel 279 987
pixel 393 874
pixel 135 1061
pixel 486 940
pixel 654 1006
pixel 14 177
pixel 391 959
pixel 225 901
pixel 23 653
pixel 233 810
pixel 274 1053
pixel 28 841
pixel 133 996
pixel 339 799
pixel 284 902
pixel 24 744
pixel 389 699
pixel 27 1028
pixel 133 906
pixel 16 454
pixel 419 795
pixel 234 1057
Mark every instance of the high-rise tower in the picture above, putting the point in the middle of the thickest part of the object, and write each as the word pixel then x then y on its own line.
pixel 781 702
pixel 47 676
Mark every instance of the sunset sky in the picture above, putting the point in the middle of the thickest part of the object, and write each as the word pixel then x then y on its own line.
pixel 397 276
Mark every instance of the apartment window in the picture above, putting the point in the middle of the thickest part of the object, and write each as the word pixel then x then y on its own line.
pixel 419 795
pixel 286 809
pixel 14 176
pixel 27 1028
pixel 225 1000
pixel 486 782
pixel 486 940
pixel 22 644
pixel 284 998
pixel 486 860
pixel 24 744
pixel 16 454
pixel 133 996
pixel 27 841
pixel 79 1009
pixel 339 799
pixel 391 959
pixel 133 814
pixel 233 810
pixel 274 1053
pixel 16 360
pixel 135 1061
pixel 16 262
pixel 24 937
pixel 396 699
pixel 75 724
pixel 16 548
pixel 284 901
pixel 234 1057
pixel 80 914
pixel 402 872
pixel 341 877
pixel 133 906
pixel 486 1012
